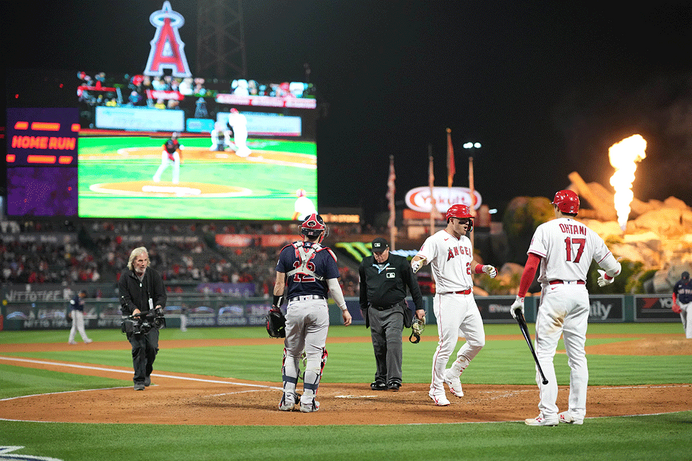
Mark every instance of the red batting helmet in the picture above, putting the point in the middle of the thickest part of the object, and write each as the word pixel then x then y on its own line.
pixel 567 201
pixel 313 226
pixel 458 211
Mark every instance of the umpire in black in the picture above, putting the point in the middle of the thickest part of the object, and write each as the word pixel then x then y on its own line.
pixel 384 279
pixel 141 291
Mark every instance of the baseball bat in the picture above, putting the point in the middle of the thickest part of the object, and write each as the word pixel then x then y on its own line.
pixel 525 331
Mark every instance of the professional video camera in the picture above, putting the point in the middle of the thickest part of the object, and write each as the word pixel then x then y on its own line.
pixel 143 323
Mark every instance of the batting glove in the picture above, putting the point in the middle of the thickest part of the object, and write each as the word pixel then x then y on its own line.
pixel 517 305
pixel 416 265
pixel 604 279
pixel 490 270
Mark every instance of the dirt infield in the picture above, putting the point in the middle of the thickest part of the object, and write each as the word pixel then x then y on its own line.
pixel 181 399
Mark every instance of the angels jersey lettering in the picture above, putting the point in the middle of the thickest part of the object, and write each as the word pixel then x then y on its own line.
pixel 453 257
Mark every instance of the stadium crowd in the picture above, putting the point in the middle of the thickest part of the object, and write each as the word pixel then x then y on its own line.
pixel 65 252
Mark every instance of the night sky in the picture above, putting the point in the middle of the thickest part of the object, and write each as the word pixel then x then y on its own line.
pixel 546 87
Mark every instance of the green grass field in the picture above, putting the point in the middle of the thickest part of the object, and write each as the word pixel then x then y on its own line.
pixel 505 361
pixel 119 160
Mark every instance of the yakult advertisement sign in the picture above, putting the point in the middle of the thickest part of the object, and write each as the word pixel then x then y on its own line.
pixel 418 199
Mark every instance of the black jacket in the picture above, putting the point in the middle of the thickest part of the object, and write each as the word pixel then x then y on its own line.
pixel 135 294
pixel 388 286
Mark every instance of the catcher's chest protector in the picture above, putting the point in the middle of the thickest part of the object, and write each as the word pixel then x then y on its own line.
pixel 305 255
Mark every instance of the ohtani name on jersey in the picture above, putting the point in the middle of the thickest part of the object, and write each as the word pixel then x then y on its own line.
pixel 456 251
pixel 573 229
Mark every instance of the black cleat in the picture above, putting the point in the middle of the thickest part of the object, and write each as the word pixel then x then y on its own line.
pixel 378 386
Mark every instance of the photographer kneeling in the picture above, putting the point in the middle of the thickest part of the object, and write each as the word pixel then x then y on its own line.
pixel 142 299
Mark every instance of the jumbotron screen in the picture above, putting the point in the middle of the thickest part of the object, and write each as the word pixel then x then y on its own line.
pixel 246 148
pixel 222 171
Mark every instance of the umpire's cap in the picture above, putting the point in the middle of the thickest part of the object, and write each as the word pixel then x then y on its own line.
pixel 379 245
pixel 685 275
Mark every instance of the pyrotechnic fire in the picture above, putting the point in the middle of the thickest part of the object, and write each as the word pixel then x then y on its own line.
pixel 624 156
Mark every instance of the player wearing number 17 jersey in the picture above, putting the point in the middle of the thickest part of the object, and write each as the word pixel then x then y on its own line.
pixel 564 249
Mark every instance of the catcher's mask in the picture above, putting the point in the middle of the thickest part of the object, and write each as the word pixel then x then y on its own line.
pixel 313 226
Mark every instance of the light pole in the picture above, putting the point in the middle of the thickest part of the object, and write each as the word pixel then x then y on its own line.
pixel 471 146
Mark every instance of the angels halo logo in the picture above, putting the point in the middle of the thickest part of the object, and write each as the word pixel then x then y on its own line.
pixel 167 49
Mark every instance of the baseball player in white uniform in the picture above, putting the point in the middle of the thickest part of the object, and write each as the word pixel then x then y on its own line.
pixel 564 249
pixel 238 123
pixel 303 206
pixel 450 255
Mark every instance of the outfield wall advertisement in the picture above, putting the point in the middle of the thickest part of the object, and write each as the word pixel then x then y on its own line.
pixel 655 308
pixel 228 305
pixel 604 308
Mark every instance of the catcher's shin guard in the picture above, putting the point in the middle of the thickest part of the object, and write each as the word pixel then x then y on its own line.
pixel 312 377
pixel 289 372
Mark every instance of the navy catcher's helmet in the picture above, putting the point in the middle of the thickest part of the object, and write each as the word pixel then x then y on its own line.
pixel 313 226
pixel 566 201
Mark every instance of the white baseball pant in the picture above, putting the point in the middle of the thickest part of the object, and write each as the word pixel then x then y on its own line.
pixel 78 326
pixel 685 316
pixel 307 325
pixel 564 310
pixel 456 315
pixel 165 161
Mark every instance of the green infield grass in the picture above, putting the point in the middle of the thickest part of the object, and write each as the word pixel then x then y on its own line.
pixel 504 360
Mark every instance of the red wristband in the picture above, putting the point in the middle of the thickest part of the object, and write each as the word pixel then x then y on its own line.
pixel 479 269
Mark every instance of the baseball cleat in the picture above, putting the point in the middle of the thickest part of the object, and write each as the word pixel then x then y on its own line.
pixel 147 381
pixel 72 342
pixel 453 382
pixel 540 420
pixel 288 401
pixel 309 406
pixel 394 386
pixel 88 341
pixel 439 399
pixel 139 386
pixel 565 417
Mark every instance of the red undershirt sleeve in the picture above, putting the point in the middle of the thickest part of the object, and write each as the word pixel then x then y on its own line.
pixel 529 273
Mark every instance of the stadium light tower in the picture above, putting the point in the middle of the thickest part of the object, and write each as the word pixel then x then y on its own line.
pixel 471 146
pixel 220 39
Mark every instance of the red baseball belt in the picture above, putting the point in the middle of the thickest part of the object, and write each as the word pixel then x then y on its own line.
pixel 463 292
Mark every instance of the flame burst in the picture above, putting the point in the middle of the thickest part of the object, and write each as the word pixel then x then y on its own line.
pixel 624 156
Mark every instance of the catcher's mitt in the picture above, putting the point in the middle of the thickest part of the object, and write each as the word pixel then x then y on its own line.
pixel 276 323
pixel 417 328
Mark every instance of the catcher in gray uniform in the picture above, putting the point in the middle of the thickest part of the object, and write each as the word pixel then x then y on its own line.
pixel 306 273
